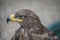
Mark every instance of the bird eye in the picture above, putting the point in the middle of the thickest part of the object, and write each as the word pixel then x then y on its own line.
pixel 21 16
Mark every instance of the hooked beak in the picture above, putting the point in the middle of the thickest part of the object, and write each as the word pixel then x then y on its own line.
pixel 13 19
pixel 8 19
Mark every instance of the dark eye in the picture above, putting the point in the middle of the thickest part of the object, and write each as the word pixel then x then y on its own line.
pixel 21 16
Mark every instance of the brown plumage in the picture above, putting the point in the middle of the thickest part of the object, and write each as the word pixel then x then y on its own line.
pixel 31 27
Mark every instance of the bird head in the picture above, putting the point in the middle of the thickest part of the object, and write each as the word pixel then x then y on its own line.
pixel 23 16
pixel 26 18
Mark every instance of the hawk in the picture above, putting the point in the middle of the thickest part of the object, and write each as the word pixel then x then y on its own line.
pixel 31 27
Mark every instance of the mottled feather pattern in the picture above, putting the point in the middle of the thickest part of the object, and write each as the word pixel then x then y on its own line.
pixel 31 28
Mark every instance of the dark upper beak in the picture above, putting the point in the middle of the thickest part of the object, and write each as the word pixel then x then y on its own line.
pixel 8 19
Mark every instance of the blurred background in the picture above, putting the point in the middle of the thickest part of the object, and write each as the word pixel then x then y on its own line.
pixel 47 10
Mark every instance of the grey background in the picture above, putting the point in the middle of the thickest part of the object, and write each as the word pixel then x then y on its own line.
pixel 47 10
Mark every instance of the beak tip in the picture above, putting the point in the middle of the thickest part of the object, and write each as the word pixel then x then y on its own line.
pixel 8 19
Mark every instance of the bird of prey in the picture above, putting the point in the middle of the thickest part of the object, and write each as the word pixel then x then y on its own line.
pixel 31 26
